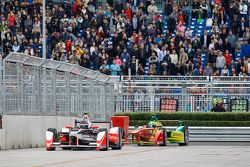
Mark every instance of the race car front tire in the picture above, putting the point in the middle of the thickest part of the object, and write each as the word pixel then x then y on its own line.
pixel 164 143
pixel 120 143
pixel 54 131
pixel 107 140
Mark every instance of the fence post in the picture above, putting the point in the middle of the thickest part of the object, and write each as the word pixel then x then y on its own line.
pixel 211 90
pixel 79 92
pixel 67 93
pixel 53 91
pixel 1 84
pixel 184 96
pixel 20 88
pixel 152 99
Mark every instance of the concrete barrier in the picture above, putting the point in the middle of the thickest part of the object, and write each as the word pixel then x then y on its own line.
pixel 29 131
pixel 2 139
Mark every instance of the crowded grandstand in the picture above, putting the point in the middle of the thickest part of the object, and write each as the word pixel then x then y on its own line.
pixel 141 37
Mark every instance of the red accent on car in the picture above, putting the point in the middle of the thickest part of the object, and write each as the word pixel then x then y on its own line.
pixel 63 138
pixel 68 127
pixel 159 137
pixel 113 137
pixel 95 127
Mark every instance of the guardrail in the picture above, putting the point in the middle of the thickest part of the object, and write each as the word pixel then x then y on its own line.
pixel 216 134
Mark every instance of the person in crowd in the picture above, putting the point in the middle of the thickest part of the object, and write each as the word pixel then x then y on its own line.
pixel 218 108
pixel 220 62
pixel 111 38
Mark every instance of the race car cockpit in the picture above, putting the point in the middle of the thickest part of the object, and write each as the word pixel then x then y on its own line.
pixel 85 123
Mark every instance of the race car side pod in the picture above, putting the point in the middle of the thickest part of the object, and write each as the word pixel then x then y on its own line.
pixel 102 140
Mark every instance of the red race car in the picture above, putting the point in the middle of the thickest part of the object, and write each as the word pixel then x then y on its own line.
pixel 84 135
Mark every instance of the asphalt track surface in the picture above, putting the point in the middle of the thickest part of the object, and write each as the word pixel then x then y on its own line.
pixel 195 155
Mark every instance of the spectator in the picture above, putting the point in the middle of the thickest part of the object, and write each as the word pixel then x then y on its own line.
pixel 196 43
pixel 220 62
pixel 93 36
pixel 208 71
pixel 189 33
pixel 171 24
pixel 174 58
pixel 29 51
pixel 246 49
pixel 205 39
pixel 169 8
pixel 183 58
pixel 152 10
pixel 232 40
pixel 225 71
pixel 218 108
pixel 243 10
pixel 12 22
pixel 74 59
pixel 140 70
pixel 105 68
pixel 125 57
pixel 228 57
pixel 16 47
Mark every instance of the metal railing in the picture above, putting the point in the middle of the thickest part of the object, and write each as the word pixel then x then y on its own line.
pixel 36 86
pixel 194 94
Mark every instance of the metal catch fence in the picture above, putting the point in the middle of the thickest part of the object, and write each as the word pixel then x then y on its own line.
pixel 37 86
pixel 194 94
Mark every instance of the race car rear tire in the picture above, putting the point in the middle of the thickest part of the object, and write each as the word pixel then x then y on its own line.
pixel 164 137
pixel 107 140
pixel 120 143
pixel 54 131
pixel 186 137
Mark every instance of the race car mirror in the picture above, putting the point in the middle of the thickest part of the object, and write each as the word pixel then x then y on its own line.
pixel 168 105
pixel 239 105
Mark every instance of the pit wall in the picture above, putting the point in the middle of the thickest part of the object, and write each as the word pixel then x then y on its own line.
pixel 29 131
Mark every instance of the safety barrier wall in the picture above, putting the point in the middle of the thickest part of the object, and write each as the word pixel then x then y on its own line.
pixel 194 94
pixel 23 131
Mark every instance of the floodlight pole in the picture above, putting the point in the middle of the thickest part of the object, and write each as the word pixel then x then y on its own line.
pixel 44 30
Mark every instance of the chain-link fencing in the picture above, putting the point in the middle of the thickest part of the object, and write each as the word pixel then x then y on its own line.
pixel 37 86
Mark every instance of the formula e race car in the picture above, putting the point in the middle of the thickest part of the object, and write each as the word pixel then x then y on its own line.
pixel 155 134
pixel 84 135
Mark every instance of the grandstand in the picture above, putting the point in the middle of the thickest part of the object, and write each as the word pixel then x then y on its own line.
pixel 140 37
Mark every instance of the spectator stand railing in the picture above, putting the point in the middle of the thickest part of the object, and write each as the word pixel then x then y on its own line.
pixel 36 86
pixel 145 93
pixel 229 88
pixel 194 94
